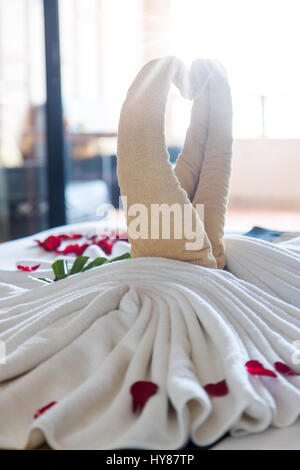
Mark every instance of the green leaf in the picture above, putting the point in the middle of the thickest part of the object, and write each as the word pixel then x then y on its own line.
pixel 60 269
pixel 78 264
pixel 95 263
pixel 45 280
pixel 119 258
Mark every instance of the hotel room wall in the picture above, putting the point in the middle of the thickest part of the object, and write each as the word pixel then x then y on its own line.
pixel 266 173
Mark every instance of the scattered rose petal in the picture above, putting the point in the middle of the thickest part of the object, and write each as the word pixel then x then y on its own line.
pixel 261 371
pixel 45 408
pixel 105 242
pixel 28 269
pixel 96 238
pixel 254 364
pixel 119 236
pixel 256 368
pixel 105 246
pixel 112 237
pixel 141 392
pixel 50 244
pixel 53 241
pixel 70 236
pixel 73 249
pixel 93 238
pixel 218 389
pixel 284 369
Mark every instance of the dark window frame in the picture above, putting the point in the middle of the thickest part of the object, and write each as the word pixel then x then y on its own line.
pixel 54 117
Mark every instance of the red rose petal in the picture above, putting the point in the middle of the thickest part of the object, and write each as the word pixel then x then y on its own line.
pixel 28 269
pixel 141 392
pixel 284 369
pixel 253 364
pixel 105 246
pixel 70 236
pixel 53 241
pixel 45 408
pixel 256 368
pixel 119 236
pixel 261 371
pixel 97 238
pixel 50 244
pixel 218 389
pixel 73 249
pixel 105 242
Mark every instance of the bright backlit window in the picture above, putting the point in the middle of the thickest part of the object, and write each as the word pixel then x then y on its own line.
pixel 105 42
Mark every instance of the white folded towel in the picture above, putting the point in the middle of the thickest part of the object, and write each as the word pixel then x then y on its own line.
pixel 85 340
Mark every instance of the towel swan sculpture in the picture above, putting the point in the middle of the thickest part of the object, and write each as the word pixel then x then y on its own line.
pixel 217 343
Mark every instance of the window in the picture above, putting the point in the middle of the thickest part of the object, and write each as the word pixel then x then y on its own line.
pixel 23 193
pixel 103 44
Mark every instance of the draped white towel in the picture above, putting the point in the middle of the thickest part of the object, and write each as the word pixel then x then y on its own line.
pixel 85 340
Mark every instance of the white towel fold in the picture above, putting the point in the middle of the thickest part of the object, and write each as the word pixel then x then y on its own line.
pixel 85 340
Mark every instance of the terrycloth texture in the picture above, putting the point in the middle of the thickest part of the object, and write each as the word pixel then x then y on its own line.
pixel 273 268
pixel 85 340
pixel 213 187
pixel 145 174
pixel 204 168
pixel 189 162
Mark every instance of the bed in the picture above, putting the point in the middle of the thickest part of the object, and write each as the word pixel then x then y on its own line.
pixel 26 251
